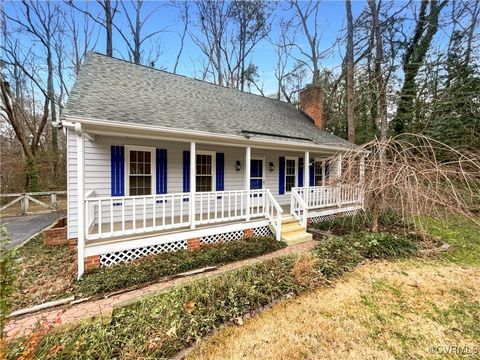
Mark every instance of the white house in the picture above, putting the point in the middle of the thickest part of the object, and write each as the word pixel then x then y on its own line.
pixel 160 162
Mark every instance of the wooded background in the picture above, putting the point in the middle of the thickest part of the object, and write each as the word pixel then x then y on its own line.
pixel 393 67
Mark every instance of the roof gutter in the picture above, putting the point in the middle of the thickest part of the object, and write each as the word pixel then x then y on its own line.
pixel 70 122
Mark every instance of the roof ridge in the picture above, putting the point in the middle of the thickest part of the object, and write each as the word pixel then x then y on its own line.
pixel 191 78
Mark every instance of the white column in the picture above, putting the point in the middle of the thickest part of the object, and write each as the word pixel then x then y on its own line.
pixel 80 200
pixel 362 168
pixel 323 172
pixel 193 185
pixel 306 164
pixel 248 156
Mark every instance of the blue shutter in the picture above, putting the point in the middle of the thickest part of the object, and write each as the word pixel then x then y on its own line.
pixel 327 170
pixel 281 175
pixel 117 170
pixel 300 172
pixel 220 172
pixel 186 171
pixel 312 173
pixel 161 171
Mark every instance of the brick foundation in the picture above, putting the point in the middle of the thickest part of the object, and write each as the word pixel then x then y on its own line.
pixel 57 234
pixel 92 262
pixel 193 244
pixel 72 243
pixel 248 233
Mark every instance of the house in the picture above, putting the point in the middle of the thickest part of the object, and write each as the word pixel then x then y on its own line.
pixel 160 162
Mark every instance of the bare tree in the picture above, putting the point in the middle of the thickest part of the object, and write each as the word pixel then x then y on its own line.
pixel 105 21
pixel 185 19
pixel 307 12
pixel 416 176
pixel 350 74
pixel 43 21
pixel 135 26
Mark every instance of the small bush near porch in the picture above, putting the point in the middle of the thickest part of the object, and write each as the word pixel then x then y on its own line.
pixel 153 268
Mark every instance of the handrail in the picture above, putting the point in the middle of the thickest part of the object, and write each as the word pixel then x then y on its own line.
pixel 276 205
pixel 302 205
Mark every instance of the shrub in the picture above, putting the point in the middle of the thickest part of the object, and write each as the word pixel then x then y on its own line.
pixel 385 246
pixel 389 219
pixel 337 255
pixel 155 267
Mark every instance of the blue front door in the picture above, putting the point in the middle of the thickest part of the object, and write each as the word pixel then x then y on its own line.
pixel 256 174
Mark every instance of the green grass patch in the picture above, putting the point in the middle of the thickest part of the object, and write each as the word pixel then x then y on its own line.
pixel 162 325
pixel 462 234
pixel 153 268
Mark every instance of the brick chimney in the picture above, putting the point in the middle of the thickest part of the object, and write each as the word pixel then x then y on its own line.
pixel 311 103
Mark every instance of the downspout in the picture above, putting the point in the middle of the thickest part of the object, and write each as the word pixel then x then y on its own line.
pixel 80 200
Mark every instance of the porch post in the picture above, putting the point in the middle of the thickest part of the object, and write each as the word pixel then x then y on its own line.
pixel 306 167
pixel 193 185
pixel 80 200
pixel 248 156
pixel 323 173
pixel 362 168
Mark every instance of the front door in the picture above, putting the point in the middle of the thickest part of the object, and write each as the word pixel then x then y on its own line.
pixel 256 174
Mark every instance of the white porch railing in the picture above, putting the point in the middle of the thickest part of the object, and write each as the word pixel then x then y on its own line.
pixel 116 216
pixel 304 199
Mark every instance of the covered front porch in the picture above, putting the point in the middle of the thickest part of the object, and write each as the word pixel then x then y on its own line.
pixel 145 191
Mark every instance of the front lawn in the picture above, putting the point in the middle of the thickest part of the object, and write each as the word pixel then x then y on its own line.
pixel 162 325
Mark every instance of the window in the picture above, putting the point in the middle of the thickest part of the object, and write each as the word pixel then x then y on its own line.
pixel 204 174
pixel 320 168
pixel 290 174
pixel 140 172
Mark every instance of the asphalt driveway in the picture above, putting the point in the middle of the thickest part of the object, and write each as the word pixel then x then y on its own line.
pixel 21 228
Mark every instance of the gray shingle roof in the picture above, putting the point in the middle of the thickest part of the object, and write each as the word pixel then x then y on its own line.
pixel 116 90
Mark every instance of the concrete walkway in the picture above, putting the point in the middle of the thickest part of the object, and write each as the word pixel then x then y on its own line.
pixel 21 228
pixel 103 308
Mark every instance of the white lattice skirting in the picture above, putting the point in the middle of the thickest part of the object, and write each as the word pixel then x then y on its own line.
pixel 225 237
pixel 318 219
pixel 119 257
pixel 262 231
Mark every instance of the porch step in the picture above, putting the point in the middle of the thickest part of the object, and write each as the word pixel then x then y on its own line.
pixel 293 232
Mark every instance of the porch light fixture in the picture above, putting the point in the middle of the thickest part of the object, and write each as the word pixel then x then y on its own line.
pixel 237 165
pixel 271 167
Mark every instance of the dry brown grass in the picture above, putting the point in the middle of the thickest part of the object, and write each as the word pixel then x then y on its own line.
pixel 380 311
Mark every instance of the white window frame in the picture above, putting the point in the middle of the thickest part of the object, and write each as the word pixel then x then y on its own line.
pixel 296 172
pixel 153 169
pixel 263 169
pixel 213 154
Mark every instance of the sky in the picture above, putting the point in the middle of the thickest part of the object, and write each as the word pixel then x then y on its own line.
pixel 166 16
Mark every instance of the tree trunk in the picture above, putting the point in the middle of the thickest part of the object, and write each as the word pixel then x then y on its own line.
pixel 350 79
pixel 108 26
pixel 381 97
pixel 425 29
